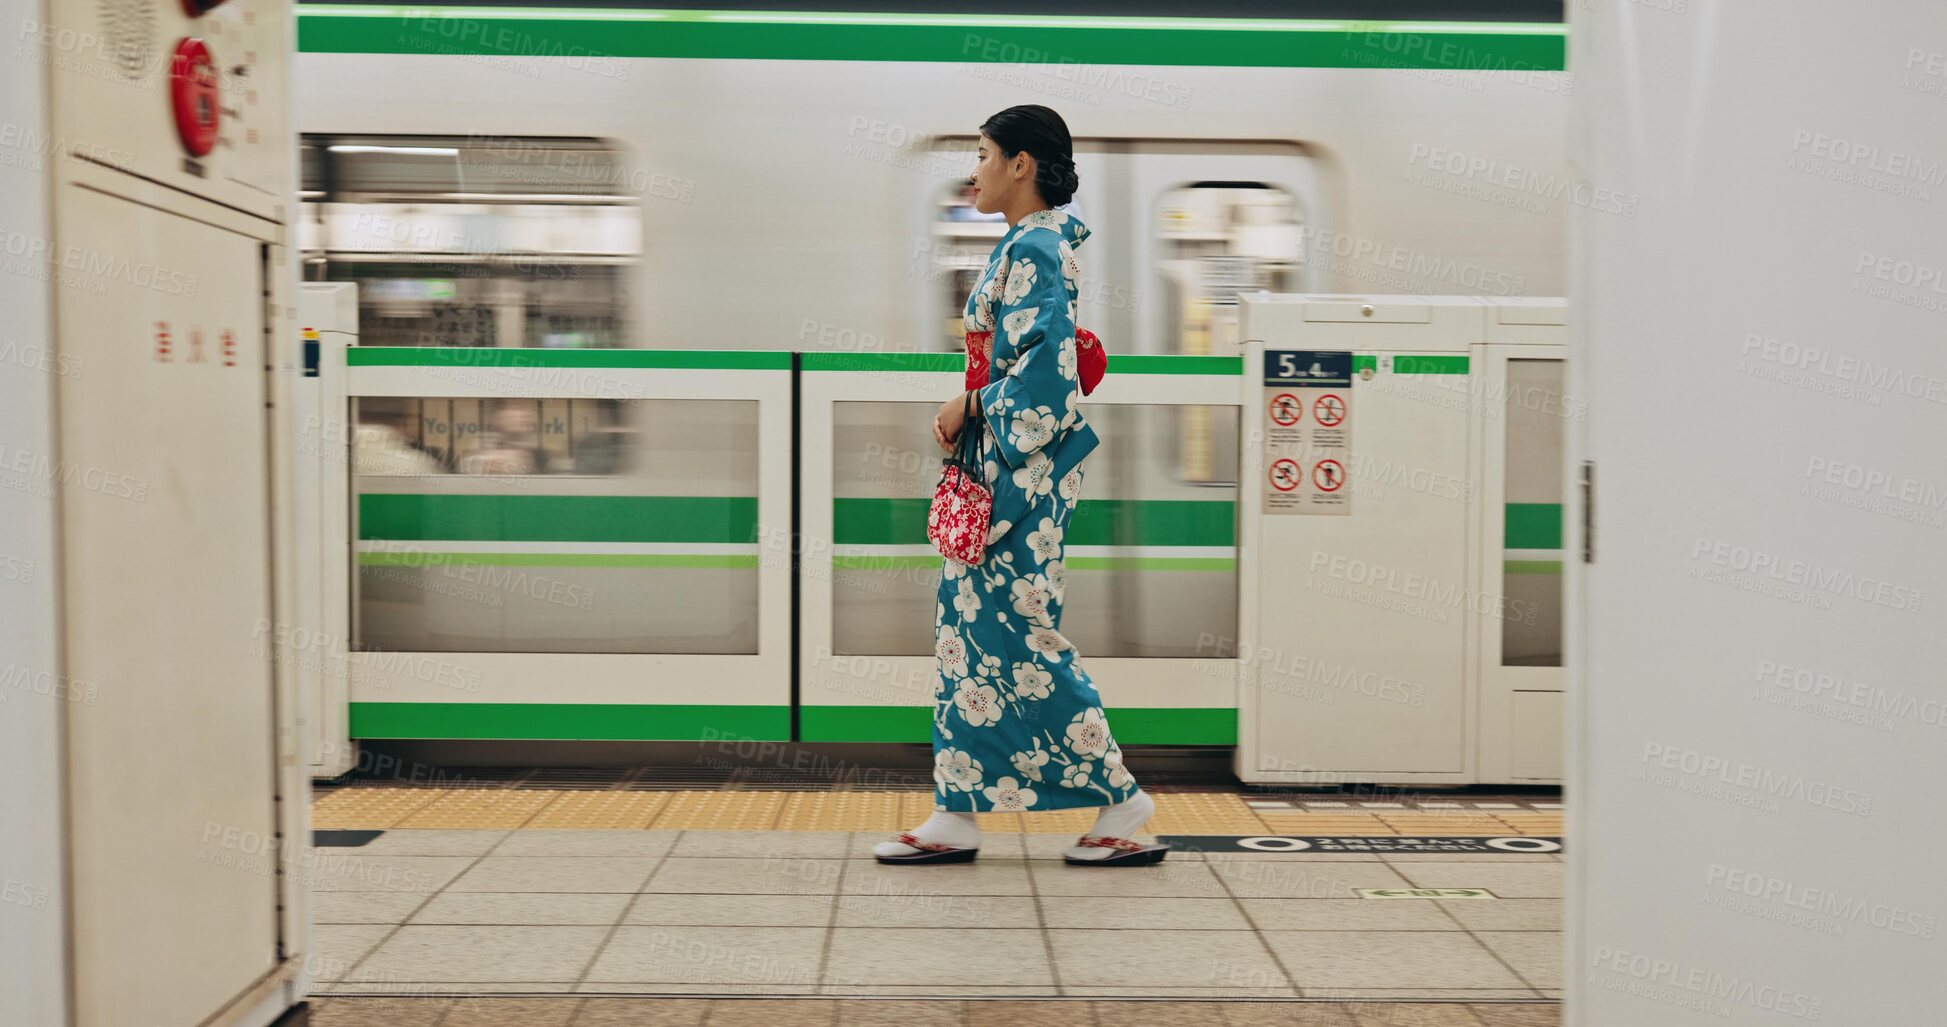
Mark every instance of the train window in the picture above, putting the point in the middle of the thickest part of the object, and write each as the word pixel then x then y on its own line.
pixel 474 240
pixel 1215 240
pixel 1151 557
pixel 963 240
pixel 1531 578
pixel 555 525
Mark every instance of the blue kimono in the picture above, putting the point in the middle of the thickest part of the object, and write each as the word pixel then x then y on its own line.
pixel 1017 725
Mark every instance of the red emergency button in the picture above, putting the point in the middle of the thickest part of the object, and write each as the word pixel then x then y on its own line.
pixel 192 87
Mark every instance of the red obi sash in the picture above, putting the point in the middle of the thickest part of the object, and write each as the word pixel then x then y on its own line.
pixel 1091 360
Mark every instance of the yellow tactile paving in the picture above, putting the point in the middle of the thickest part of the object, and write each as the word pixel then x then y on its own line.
pixel 915 807
pixel 722 811
pixel 602 811
pixel 1203 813
pixel 1311 824
pixel 367 808
pixel 1532 819
pixel 1067 821
pixel 1444 824
pixel 846 811
pixel 480 809
pixel 379 807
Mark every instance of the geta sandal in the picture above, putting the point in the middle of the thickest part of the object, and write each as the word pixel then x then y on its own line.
pixel 1128 853
pixel 928 852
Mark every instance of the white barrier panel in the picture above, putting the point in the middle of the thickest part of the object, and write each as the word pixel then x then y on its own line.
pixel 570 544
pixel 1402 489
pixel 1152 549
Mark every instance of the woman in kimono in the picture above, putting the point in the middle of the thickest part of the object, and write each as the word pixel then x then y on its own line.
pixel 1017 725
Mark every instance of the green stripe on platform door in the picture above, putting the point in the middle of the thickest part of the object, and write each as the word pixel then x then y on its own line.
pixel 1533 526
pixel 1096 522
pixel 475 356
pixel 502 518
pixel 584 36
pixel 1406 363
pixel 1131 363
pixel 1129 725
pixel 422 558
pixel 567 721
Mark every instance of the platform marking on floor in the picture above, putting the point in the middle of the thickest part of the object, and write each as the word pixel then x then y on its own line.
pixel 1425 893
pixel 338 839
pixel 1360 843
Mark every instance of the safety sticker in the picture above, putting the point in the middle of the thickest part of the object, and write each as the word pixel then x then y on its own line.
pixel 1307 431
pixel 1328 475
pixel 1329 410
pixel 1286 409
pixel 1286 475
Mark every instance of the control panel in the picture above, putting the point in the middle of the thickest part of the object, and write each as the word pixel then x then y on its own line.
pixel 181 90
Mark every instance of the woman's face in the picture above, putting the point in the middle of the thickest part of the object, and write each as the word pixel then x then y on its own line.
pixel 994 177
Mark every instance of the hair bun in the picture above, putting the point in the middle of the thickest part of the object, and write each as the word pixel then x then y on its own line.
pixel 1061 180
pixel 1042 133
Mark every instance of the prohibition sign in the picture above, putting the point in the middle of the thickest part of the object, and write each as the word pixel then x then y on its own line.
pixel 1285 475
pixel 1328 475
pixel 1329 410
pixel 1286 409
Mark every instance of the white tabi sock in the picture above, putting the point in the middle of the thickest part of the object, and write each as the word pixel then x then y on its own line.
pixel 1121 820
pixel 942 828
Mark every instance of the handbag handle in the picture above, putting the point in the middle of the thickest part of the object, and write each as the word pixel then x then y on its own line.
pixel 965 450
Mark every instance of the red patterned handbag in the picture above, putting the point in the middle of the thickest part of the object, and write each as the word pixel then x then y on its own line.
pixel 1091 360
pixel 963 505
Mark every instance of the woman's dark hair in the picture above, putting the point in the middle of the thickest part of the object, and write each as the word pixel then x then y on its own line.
pixel 1044 135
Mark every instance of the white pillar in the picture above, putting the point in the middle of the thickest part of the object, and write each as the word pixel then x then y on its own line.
pixel 33 897
pixel 1759 732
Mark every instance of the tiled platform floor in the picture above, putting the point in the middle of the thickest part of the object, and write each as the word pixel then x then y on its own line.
pixel 537 911
pixel 626 1012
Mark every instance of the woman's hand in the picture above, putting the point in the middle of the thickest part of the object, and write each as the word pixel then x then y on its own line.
pixel 950 419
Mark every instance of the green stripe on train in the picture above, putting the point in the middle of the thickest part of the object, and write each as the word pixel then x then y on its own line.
pixel 579 35
pixel 1096 522
pixel 1131 725
pixel 474 356
pixel 417 517
pixel 577 721
pixel 1533 526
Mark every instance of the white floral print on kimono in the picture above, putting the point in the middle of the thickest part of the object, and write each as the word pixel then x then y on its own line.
pixel 1017 724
